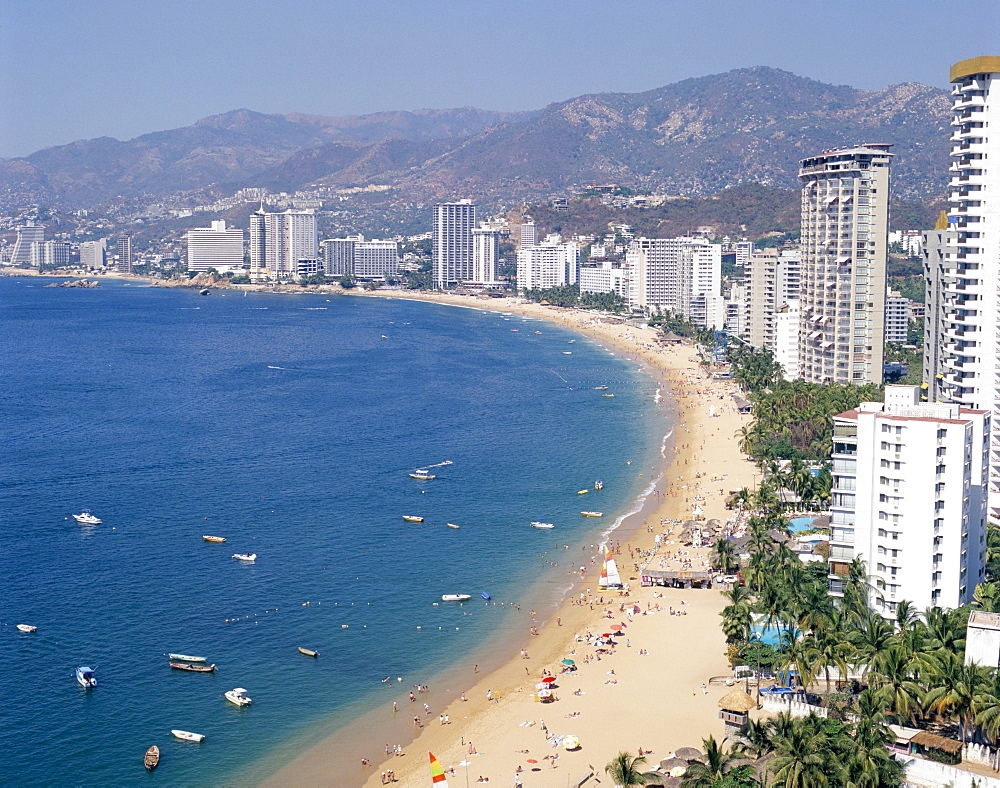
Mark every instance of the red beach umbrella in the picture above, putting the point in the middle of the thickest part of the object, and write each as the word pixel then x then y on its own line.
pixel 616 627
pixel 606 635
pixel 532 760
pixel 548 680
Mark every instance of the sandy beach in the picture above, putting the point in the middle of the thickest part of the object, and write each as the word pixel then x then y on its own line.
pixel 651 690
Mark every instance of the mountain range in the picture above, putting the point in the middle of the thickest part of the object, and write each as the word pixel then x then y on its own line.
pixel 694 137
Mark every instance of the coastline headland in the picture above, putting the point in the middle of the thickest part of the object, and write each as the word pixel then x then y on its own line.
pixel 651 692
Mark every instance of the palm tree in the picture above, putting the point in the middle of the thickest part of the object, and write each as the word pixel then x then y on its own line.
pixel 800 762
pixel 869 764
pixel 624 770
pixel 893 684
pixel 906 614
pixel 718 767
pixel 724 558
pixel 957 690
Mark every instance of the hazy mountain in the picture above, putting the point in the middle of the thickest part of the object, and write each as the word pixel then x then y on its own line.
pixel 695 137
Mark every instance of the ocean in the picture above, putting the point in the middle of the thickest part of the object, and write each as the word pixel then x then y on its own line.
pixel 287 424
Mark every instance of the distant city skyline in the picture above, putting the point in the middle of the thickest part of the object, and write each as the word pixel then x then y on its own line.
pixel 120 69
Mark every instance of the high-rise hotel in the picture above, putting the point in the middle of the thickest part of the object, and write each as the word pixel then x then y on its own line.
pixel 962 262
pixel 452 238
pixel 845 210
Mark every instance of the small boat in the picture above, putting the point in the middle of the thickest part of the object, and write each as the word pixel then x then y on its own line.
pixel 567 352
pixel 411 519
pixel 86 518
pixel 152 758
pixel 188 736
pixel 425 476
pixel 206 291
pixel 540 524
pixel 86 677
pixel 538 332
pixel 607 395
pixel 249 557
pixel 486 596
pixel 214 538
pixel 600 388
pixel 193 668
pixel 455 597
pixel 308 652
pixel 599 484
pixel 592 514
pixel 26 628
pixel 185 658
pixel 582 492
pixel 238 696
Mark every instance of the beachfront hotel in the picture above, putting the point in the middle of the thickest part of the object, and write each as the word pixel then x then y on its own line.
pixel 909 499
pixel 451 235
pixel 772 280
pixel 278 241
pixel 962 257
pixel 845 216
pixel 680 275
pixel 552 263
pixel 215 247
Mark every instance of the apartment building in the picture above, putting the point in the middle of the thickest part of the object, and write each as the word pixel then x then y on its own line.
pixel 680 275
pixel 452 237
pixel 551 263
pixel 773 279
pixel 909 499
pixel 215 247
pixel 845 212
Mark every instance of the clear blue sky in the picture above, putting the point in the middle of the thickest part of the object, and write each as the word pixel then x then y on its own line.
pixel 122 68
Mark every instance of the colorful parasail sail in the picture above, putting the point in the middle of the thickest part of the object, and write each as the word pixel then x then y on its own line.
pixel 437 772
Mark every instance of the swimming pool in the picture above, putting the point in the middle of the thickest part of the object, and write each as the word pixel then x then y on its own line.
pixel 799 524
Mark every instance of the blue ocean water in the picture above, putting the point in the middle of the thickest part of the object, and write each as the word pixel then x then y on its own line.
pixel 288 425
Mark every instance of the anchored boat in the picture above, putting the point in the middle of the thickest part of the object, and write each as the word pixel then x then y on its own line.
pixel 411 519
pixel 308 652
pixel 86 518
pixel 193 668
pixel 455 597
pixel 214 538
pixel 85 676
pixel 188 735
pixel 152 758
pixel 238 696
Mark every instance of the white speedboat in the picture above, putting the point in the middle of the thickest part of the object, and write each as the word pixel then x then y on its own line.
pixel 592 514
pixel 455 597
pixel 238 696
pixel 26 628
pixel 540 524
pixel 185 658
pixel 85 676
pixel 248 557
pixel 86 518
pixel 188 736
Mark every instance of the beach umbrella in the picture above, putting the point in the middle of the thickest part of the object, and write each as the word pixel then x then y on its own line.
pixel 606 635
pixel 568 662
pixel 548 680
pixel 532 760
pixel 539 686
pixel 571 743
pixel 545 693
pixel 616 627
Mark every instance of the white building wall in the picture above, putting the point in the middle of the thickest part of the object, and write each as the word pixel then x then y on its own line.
pixel 26 236
pixel 485 254
pixel 215 247
pixel 93 254
pixel 607 276
pixel 682 275
pixel 908 499
pixel 452 237
pixel 786 339
pixel 897 318
pixel 548 264
pixel 338 255
pixel 375 259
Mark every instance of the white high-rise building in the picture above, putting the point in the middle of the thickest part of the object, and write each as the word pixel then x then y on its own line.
pixel 123 254
pixel 897 318
pixel 50 254
pixel 26 236
pixel 338 255
pixel 605 276
pixel 744 250
pixel 909 499
pixel 786 338
pixel 94 254
pixel 485 254
pixel 772 280
pixel 215 247
pixel 551 263
pixel 680 275
pixel 736 308
pixel 529 234
pixel 375 259
pixel 279 241
pixel 845 213
pixel 963 300
pixel 452 237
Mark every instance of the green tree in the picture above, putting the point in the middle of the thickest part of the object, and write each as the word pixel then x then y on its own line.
pixel 625 770
pixel 718 768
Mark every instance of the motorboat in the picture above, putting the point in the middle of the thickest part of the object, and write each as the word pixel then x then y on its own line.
pixel 599 484
pixel 452 525
pixel 592 514
pixel 185 658
pixel 238 696
pixel 540 524
pixel 193 668
pixel 214 538
pixel 248 557
pixel 600 388
pixel 188 735
pixel 26 628
pixel 308 652
pixel 411 519
pixel 152 758
pixel 86 677
pixel 607 395
pixel 421 475
pixel 86 518
pixel 455 597
pixel 567 352
pixel 582 492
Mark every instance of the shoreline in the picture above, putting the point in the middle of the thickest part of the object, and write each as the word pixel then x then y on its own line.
pixel 676 372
